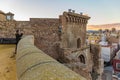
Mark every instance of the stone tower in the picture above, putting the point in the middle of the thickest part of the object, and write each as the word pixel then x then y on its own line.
pixel 9 16
pixel 6 16
pixel 73 49
pixel 73 29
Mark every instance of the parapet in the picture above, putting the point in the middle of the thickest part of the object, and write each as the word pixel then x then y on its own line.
pixel 34 64
pixel 76 15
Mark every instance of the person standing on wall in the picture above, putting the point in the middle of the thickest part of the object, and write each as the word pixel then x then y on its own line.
pixel 18 36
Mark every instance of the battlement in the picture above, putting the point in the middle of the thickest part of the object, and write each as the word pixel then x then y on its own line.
pixel 76 15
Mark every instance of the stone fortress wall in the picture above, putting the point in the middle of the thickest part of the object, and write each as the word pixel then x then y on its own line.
pixel 2 17
pixel 62 38
pixel 74 52
pixel 7 29
pixel 45 31
pixel 32 64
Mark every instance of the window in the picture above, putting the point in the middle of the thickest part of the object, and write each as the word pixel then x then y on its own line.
pixel 118 66
pixel 78 43
pixel 8 17
pixel 82 59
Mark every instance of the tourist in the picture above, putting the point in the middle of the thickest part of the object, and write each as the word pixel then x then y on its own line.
pixel 18 36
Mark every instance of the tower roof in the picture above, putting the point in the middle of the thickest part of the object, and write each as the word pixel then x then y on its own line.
pixel 9 13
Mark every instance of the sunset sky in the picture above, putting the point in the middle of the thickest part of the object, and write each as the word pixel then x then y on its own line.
pixel 100 11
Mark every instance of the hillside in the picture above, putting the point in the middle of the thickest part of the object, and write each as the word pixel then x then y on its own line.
pixel 104 26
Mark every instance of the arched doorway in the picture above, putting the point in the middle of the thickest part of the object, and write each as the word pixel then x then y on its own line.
pixel 78 43
pixel 82 59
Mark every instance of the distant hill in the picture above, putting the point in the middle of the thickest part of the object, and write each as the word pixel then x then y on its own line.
pixel 92 31
pixel 104 26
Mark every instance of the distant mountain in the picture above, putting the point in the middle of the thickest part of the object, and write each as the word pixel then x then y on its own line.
pixel 92 31
pixel 104 26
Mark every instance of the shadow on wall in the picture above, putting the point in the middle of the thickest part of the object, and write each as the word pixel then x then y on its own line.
pixel 7 41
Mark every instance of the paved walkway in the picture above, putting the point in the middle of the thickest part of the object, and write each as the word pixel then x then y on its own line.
pixel 7 63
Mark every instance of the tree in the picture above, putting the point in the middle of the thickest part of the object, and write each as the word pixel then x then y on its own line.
pixel 106 30
pixel 113 30
pixel 100 30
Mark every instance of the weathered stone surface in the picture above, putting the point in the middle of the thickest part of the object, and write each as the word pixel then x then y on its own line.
pixel 46 34
pixel 2 16
pixel 96 52
pixel 62 38
pixel 39 66
pixel 73 28
pixel 98 63
pixel 72 48
pixel 45 31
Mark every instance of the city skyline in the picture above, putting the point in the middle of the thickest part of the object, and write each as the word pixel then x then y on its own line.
pixel 101 12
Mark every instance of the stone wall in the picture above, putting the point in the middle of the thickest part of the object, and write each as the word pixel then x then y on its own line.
pixel 7 29
pixel 98 63
pixel 96 54
pixel 25 27
pixel 2 17
pixel 45 31
pixel 71 58
pixel 33 64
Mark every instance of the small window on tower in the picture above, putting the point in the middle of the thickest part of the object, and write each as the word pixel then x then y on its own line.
pixel 78 43
pixel 8 17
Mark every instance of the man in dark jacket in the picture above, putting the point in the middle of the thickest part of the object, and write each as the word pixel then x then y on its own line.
pixel 18 37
